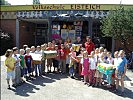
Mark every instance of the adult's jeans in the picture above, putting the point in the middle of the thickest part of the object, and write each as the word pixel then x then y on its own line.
pixel 38 66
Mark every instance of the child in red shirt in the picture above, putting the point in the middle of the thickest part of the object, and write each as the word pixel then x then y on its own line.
pixel 63 59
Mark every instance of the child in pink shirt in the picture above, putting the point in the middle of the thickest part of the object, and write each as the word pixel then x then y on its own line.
pixel 85 67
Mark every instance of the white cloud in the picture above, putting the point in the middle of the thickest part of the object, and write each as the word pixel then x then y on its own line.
pixel 29 2
pixel 20 2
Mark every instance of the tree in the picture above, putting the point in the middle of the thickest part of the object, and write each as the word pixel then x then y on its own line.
pixel 3 2
pixel 6 41
pixel 36 2
pixel 119 25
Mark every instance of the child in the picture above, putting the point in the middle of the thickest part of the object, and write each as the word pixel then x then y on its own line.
pixel 85 67
pixel 32 51
pixel 28 62
pixel 63 59
pixel 24 47
pixel 99 74
pixel 121 70
pixel 93 64
pixel 17 69
pixel 10 64
pixel 101 50
pixel 109 61
pixel 22 64
pixel 67 47
pixel 109 58
pixel 115 62
pixel 105 54
pixel 56 60
pixel 38 66
pixel 81 63
pixel 49 61
pixel 44 46
pixel 72 56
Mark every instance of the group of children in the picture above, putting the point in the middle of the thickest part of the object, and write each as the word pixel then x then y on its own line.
pixel 92 76
pixel 23 66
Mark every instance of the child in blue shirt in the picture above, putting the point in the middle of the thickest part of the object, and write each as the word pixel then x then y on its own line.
pixel 121 70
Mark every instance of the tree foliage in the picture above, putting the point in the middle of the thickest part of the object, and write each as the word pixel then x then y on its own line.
pixel 3 2
pixel 36 1
pixel 6 41
pixel 119 25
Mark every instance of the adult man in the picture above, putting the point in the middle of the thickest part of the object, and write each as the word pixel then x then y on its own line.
pixel 89 45
pixel 78 67
pixel 78 41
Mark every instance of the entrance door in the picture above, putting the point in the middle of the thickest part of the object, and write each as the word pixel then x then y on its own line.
pixel 41 36
pixel 98 38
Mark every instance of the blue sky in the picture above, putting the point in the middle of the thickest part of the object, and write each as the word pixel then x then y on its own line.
pixel 28 2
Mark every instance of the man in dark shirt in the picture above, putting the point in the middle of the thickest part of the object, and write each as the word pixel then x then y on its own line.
pixel 78 41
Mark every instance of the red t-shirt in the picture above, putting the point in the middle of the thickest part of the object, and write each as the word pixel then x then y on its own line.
pixel 28 59
pixel 89 47
pixel 62 54
pixel 48 48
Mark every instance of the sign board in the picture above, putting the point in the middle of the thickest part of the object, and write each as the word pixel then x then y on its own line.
pixel 63 7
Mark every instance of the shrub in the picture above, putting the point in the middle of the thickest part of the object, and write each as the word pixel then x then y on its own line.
pixel 6 41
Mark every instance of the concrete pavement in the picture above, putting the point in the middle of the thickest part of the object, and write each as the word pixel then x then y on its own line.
pixel 61 87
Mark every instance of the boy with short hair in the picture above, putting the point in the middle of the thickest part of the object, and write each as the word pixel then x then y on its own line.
pixel 17 69
pixel 22 64
pixel 28 62
pixel 38 66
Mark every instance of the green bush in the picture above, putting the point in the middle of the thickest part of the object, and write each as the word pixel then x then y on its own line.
pixel 6 42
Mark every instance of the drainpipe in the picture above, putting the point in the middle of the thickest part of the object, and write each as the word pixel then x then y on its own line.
pixel 90 22
pixel 17 33
pixel 113 46
pixel 49 29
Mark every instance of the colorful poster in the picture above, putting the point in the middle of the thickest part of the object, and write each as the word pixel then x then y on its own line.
pixel 55 31
pixel 64 33
pixel 71 35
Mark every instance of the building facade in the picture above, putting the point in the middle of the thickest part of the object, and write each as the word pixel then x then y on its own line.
pixel 37 24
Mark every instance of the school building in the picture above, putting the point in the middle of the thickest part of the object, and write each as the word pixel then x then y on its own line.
pixel 37 24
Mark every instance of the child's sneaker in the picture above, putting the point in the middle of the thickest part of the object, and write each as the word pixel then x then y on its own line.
pixel 99 84
pixel 88 84
pixel 14 85
pixel 93 85
pixel 122 94
pixel 96 85
pixel 115 91
pixel 85 83
pixel 9 87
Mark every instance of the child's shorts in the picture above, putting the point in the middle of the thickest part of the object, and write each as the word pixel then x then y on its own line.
pixel 119 74
pixel 29 69
pixel 71 70
pixel 10 75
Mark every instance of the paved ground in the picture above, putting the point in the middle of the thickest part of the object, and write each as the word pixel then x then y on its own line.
pixel 60 87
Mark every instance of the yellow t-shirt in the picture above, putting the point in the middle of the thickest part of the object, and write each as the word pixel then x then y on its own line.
pixel 10 61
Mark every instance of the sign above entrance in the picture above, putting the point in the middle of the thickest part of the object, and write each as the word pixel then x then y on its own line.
pixel 63 7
